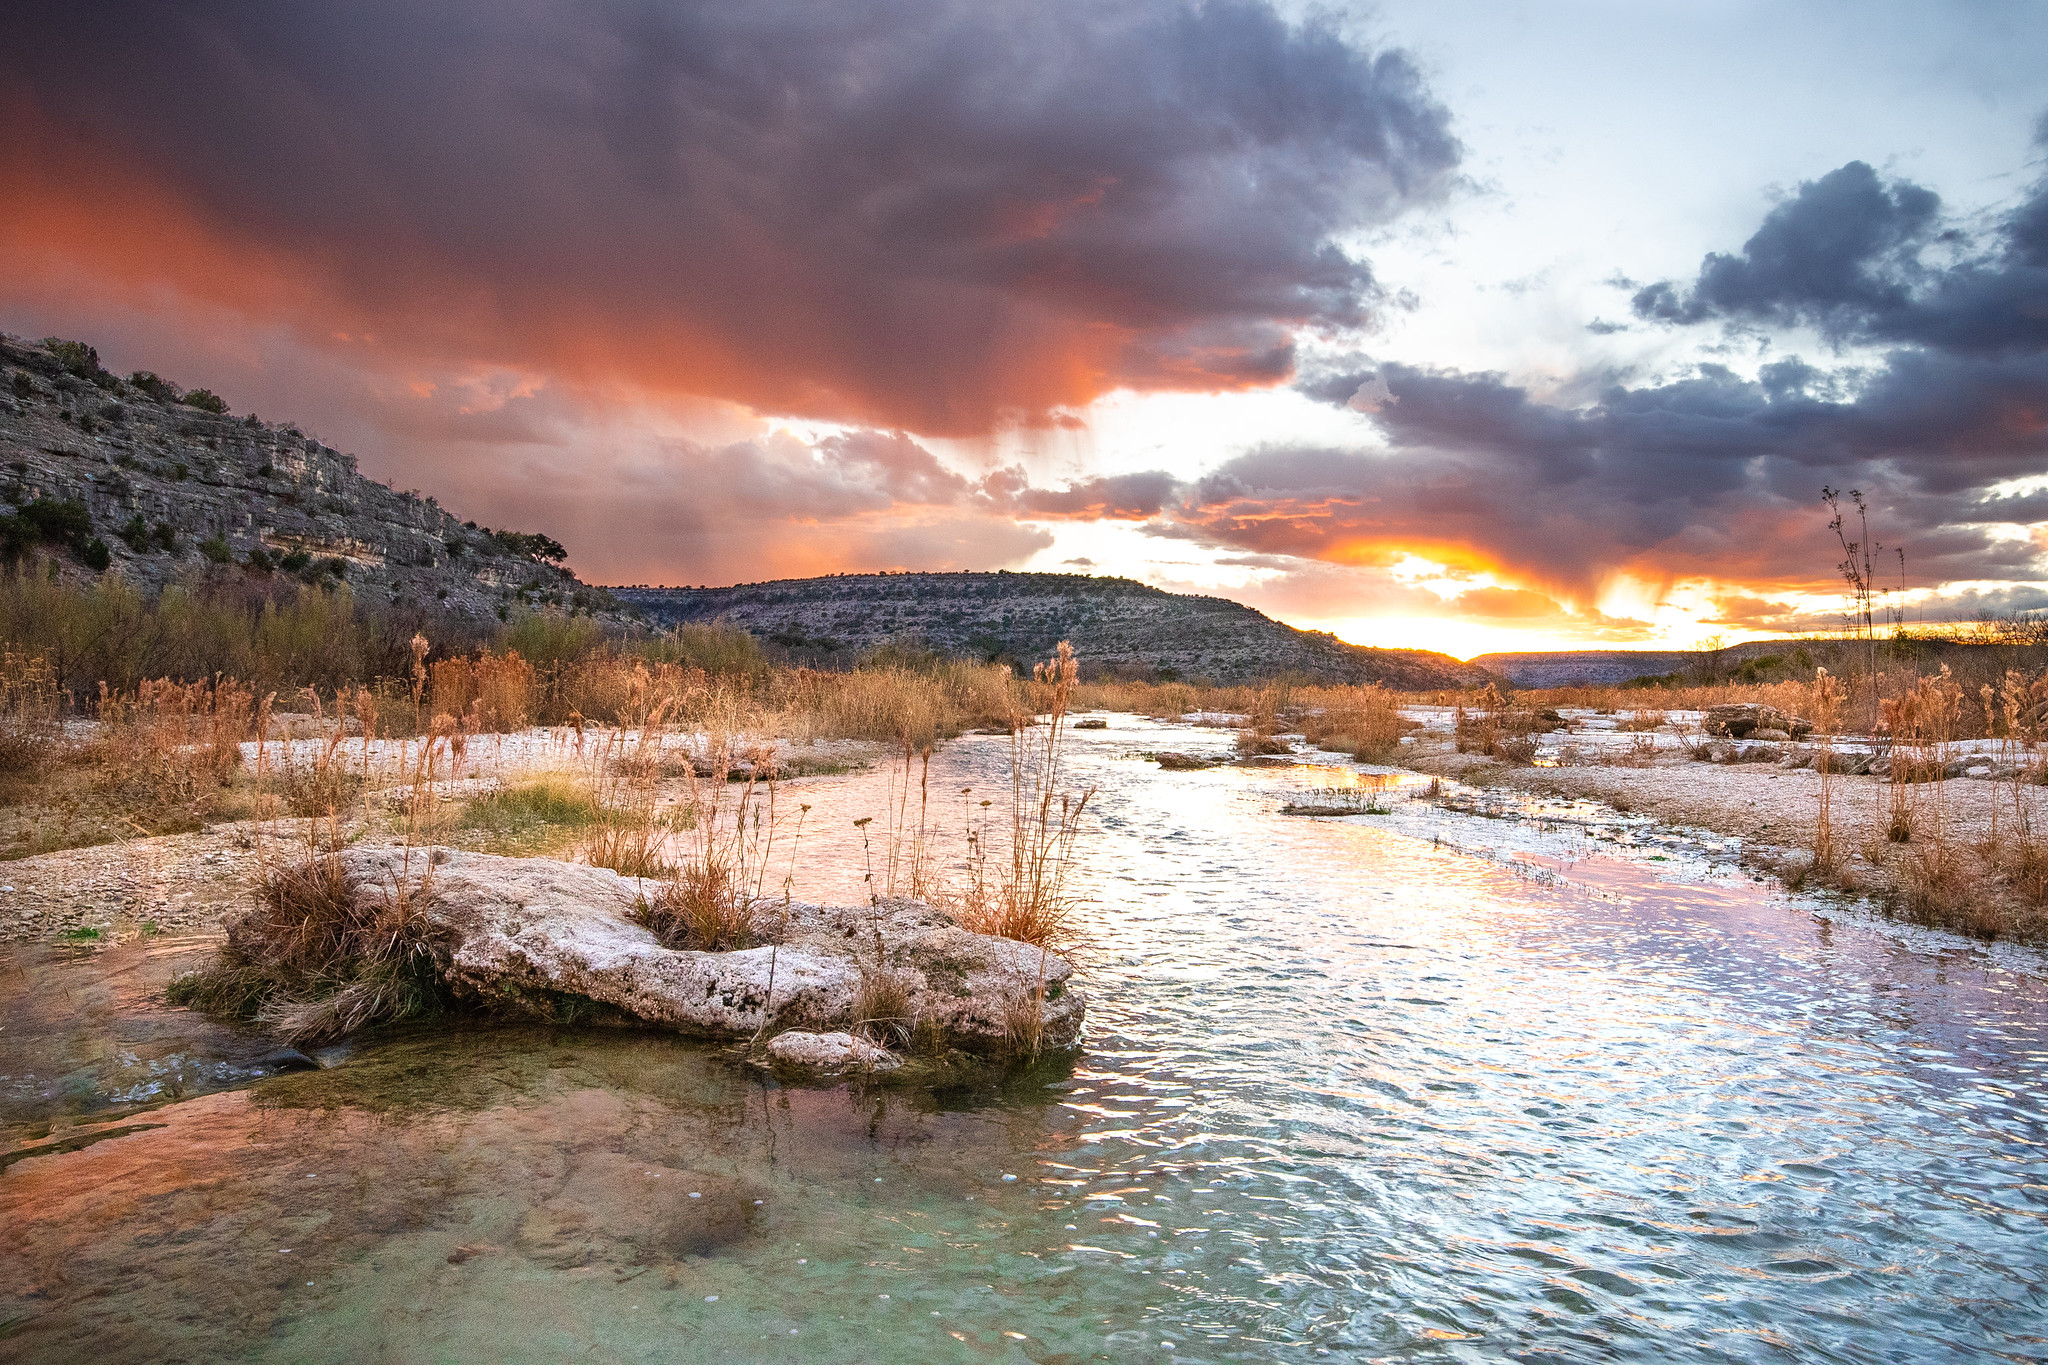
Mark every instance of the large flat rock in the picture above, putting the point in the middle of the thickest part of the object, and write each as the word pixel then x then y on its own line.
pixel 523 932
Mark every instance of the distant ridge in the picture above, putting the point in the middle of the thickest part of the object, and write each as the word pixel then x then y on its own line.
pixel 1597 667
pixel 1120 627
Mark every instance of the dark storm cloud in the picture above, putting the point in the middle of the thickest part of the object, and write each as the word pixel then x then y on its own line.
pixel 1849 254
pixel 926 213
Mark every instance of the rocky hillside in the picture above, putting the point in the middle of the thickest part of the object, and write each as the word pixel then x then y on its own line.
pixel 1120 627
pixel 163 485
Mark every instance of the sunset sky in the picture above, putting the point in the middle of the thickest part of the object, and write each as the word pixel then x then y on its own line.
pixel 1461 325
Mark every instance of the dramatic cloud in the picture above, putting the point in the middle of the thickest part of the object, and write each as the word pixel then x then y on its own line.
pixel 930 214
pixel 1713 474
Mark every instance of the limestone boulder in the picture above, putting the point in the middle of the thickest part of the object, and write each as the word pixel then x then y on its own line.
pixel 528 933
pixel 1743 719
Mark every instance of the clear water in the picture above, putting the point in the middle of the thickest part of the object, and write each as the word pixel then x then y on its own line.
pixel 1422 1086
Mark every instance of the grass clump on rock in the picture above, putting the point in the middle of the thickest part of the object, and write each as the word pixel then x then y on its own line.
pixel 704 908
pixel 320 956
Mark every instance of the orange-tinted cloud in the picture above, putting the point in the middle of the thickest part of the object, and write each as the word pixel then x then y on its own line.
pixel 912 214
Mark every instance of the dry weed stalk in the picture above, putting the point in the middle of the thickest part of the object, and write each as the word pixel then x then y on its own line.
pixel 1827 708
pixel 716 895
pixel 1028 899
pixel 325 782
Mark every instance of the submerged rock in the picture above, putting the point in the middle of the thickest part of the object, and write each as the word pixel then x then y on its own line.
pixel 830 1052
pixel 530 934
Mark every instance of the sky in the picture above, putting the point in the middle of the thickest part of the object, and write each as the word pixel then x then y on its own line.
pixel 1453 325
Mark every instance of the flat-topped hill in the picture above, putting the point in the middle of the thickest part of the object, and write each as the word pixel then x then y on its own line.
pixel 1120 627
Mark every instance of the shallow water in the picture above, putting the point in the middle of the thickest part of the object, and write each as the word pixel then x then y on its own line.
pixel 1420 1086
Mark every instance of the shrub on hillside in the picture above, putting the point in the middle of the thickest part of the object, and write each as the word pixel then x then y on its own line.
pixel 157 387
pixel 76 357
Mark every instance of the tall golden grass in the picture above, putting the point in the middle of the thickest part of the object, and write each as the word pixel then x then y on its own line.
pixel 1365 722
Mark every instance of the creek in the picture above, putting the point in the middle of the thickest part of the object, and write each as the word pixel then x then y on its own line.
pixel 1420 1085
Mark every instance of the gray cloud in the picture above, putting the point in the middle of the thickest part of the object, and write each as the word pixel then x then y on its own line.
pixel 1848 254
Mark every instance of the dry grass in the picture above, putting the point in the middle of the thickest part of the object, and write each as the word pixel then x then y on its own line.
pixel 1500 726
pixel 31 740
pixel 1262 723
pixel 321 955
pixel 1827 712
pixel 629 845
pixel 704 908
pixel 1025 896
pixel 881 1006
pixel 549 800
pixel 327 779
pixel 490 694
pixel 1366 723
pixel 166 752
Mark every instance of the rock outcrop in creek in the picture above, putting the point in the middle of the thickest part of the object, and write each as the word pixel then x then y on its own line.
pixel 523 933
